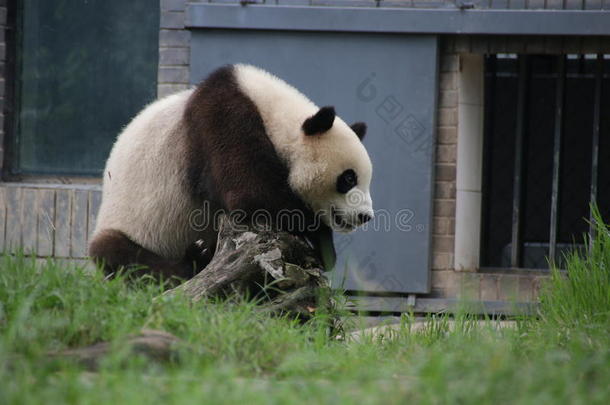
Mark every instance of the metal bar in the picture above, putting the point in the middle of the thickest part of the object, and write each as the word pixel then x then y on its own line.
pixel 490 84
pixel 559 97
pixel 398 20
pixel 599 73
pixel 515 251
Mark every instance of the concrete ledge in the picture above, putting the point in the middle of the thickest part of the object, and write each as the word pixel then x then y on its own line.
pixel 390 331
pixel 440 305
pixel 397 20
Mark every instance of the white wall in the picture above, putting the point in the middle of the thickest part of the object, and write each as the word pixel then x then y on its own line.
pixel 469 162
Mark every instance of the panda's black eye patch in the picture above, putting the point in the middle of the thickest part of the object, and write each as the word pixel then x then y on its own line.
pixel 346 181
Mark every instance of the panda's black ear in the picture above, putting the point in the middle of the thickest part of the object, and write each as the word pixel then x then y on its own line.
pixel 320 122
pixel 359 128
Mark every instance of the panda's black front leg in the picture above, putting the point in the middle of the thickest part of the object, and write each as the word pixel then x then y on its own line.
pixel 200 254
pixel 323 243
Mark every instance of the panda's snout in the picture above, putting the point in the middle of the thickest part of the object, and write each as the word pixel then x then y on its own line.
pixel 364 218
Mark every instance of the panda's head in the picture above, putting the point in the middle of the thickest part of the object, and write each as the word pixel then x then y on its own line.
pixel 331 170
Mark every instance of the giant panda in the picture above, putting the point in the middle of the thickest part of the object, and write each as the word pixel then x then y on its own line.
pixel 242 140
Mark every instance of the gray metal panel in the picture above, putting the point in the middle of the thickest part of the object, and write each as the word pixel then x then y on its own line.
pixel 400 20
pixel 389 81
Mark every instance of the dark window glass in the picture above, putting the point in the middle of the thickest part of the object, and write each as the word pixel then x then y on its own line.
pixel 575 175
pixel 538 162
pixel 85 68
pixel 500 127
pixel 603 178
pixel 537 157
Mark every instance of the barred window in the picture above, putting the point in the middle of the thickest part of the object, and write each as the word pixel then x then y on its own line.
pixel 546 155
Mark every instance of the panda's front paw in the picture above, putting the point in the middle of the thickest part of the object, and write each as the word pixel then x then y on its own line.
pixel 200 248
pixel 198 251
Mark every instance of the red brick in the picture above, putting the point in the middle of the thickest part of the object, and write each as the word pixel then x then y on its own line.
pixel 446 153
pixel 443 244
pixel 449 62
pixel 442 278
pixel 470 286
pixel 489 287
pixel 451 226
pixel 444 190
pixel 440 226
pixel 526 288
pixel 442 261
pixel 447 117
pixel 447 135
pixel 508 287
pixel 448 98
pixel 445 172
pixel 444 208
pixel 447 81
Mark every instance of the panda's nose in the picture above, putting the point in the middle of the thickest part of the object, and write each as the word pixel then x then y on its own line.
pixel 363 218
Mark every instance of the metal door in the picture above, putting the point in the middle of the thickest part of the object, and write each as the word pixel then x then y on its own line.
pixel 386 80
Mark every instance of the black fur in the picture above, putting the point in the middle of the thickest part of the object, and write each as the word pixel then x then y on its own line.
pixel 115 251
pixel 231 160
pixel 359 128
pixel 346 181
pixel 320 122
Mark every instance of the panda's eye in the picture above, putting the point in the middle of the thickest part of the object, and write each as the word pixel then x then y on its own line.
pixel 346 181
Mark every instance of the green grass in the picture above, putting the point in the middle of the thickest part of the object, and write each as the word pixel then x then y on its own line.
pixel 235 354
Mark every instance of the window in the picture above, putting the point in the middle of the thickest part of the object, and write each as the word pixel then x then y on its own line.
pixel 84 68
pixel 546 155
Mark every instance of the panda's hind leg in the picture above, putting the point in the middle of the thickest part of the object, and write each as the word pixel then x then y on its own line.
pixel 113 250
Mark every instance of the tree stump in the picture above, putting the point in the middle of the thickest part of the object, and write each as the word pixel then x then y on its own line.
pixel 278 269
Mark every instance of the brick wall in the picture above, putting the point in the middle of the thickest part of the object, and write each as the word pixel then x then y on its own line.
pixel 174 43
pixel 443 228
pixel 3 26
pixel 72 207
pixel 524 286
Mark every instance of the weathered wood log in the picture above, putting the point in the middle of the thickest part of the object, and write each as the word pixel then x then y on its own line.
pixel 155 345
pixel 279 269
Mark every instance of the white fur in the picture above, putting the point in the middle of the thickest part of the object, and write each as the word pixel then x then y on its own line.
pixel 144 191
